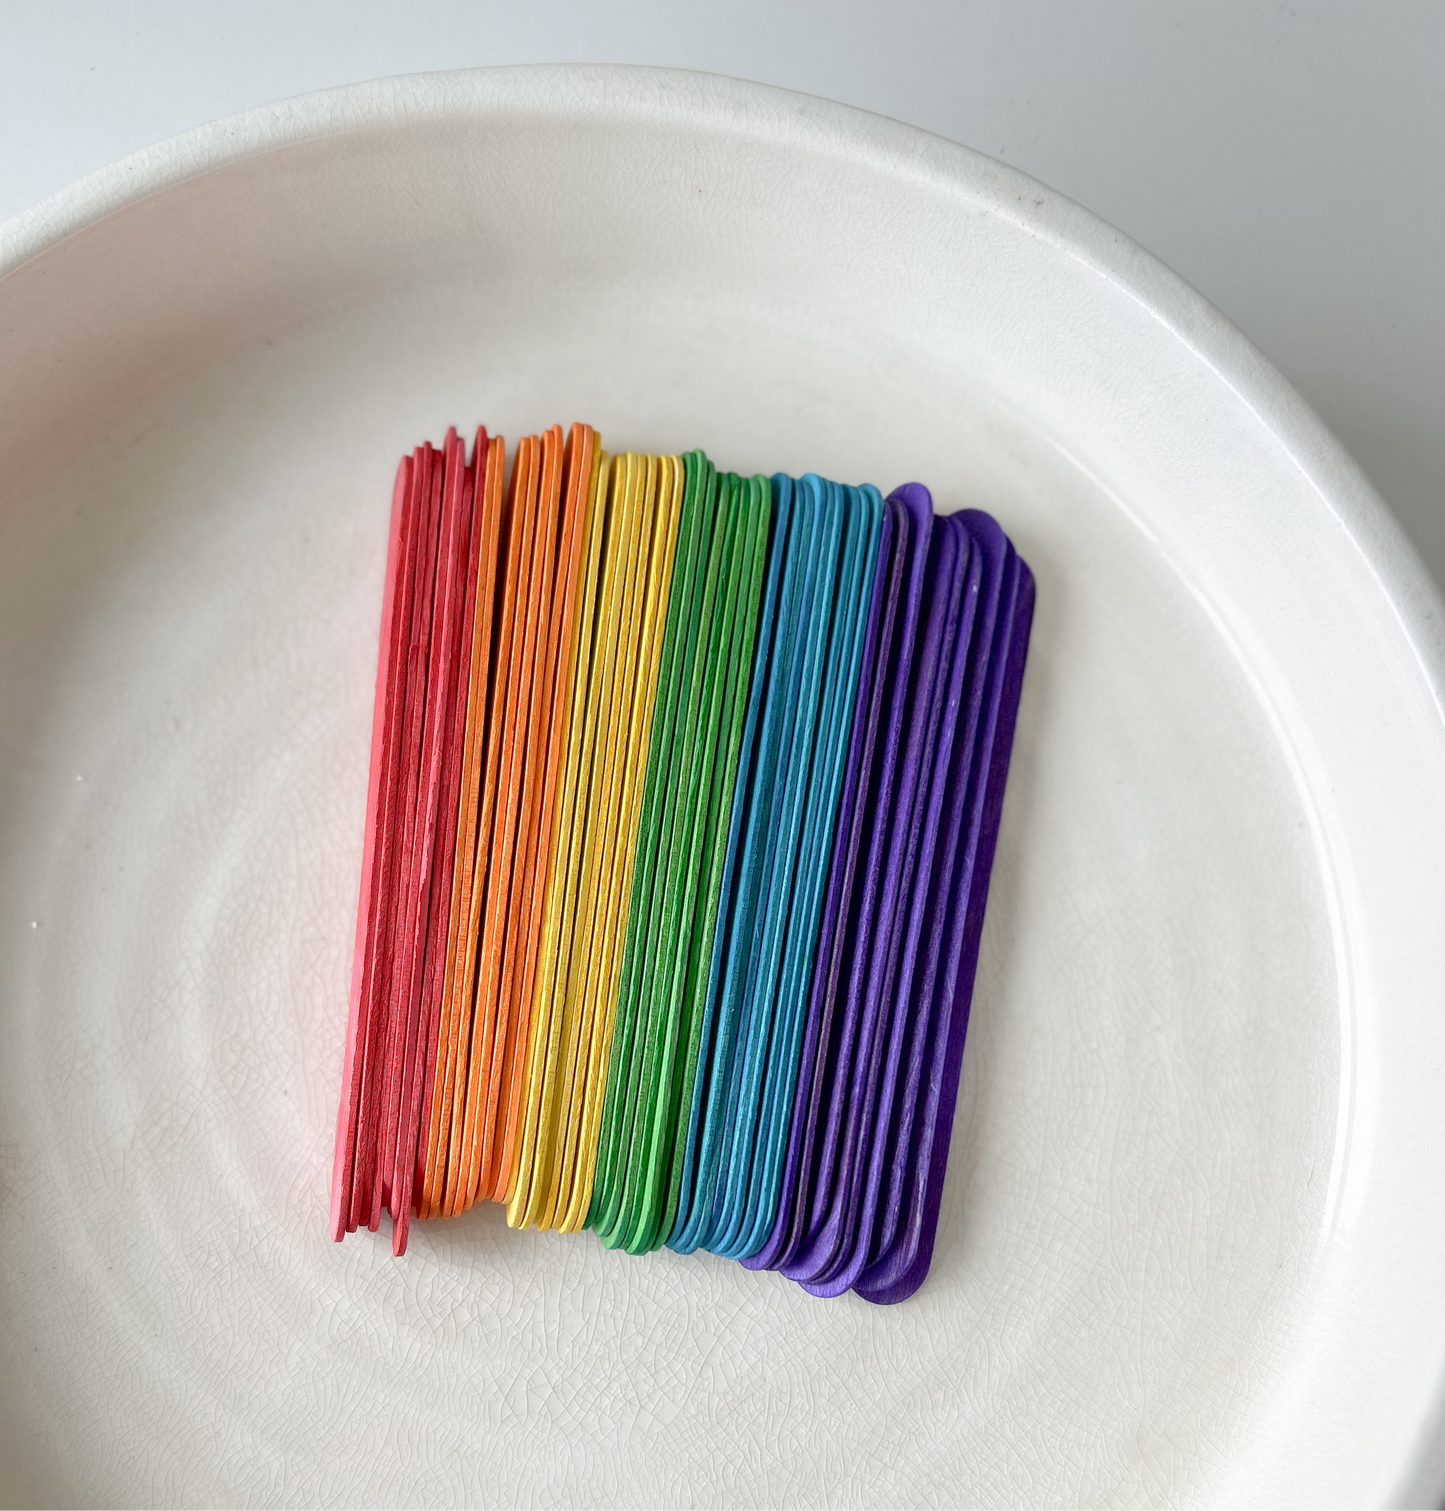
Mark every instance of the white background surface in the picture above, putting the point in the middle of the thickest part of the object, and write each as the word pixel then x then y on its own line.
pixel 1286 159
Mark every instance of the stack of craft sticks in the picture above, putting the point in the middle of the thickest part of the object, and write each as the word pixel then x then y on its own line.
pixel 683 798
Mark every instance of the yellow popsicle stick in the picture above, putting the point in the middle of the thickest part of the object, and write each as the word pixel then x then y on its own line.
pixel 545 1025
pixel 602 841
pixel 667 482
pixel 622 521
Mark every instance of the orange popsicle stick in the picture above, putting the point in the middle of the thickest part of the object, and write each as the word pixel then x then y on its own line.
pixel 474 830
pixel 535 708
pixel 504 625
pixel 504 903
pixel 476 635
pixel 522 513
pixel 556 689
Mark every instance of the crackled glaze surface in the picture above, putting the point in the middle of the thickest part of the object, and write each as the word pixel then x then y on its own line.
pixel 1197 1129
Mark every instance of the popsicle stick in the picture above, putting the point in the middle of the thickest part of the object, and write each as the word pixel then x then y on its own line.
pixel 893 1123
pixel 765 809
pixel 760 1022
pixel 833 1249
pixel 504 635
pixel 692 529
pixel 447 693
pixel 747 840
pixel 625 526
pixel 396 1170
pixel 817 1243
pixel 711 811
pixel 528 759
pixel 634 701
pixel 720 843
pixel 376 1006
pixel 473 832
pixel 510 749
pixel 614 682
pixel 673 851
pixel 912 842
pixel 819 1056
pixel 385 1051
pixel 546 1025
pixel 996 670
pixel 375 889
pixel 840 682
pixel 670 492
pixel 556 689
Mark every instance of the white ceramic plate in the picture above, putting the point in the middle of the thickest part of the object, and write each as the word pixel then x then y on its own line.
pixel 1193 1231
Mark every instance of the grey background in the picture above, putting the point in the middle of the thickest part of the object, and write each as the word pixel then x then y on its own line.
pixel 1286 159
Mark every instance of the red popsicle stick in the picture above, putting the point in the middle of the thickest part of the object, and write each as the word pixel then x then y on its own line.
pixel 474 818
pixel 460 810
pixel 401 983
pixel 451 730
pixel 373 898
pixel 398 815
pixel 441 668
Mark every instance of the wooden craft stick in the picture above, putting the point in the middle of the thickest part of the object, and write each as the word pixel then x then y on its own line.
pixel 486 826
pixel 381 1060
pixel 530 765
pixel 463 829
pixel 453 1029
pixel 649 861
pixel 555 690
pixel 577 915
pixel 374 895
pixel 546 1022
pixel 459 607
pixel 616 684
pixel 398 1152
pixel 577 1182
pixel 541 611
pixel 521 511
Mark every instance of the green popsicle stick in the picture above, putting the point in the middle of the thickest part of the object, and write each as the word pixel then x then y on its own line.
pixel 678 828
pixel 740 677
pixel 693 539
pixel 655 1163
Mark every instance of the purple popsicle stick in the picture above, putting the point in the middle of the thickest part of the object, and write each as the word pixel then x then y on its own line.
pixel 895 1116
pixel 891 855
pixel 999 677
pixel 807 1247
pixel 819 1041
pixel 881 1031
